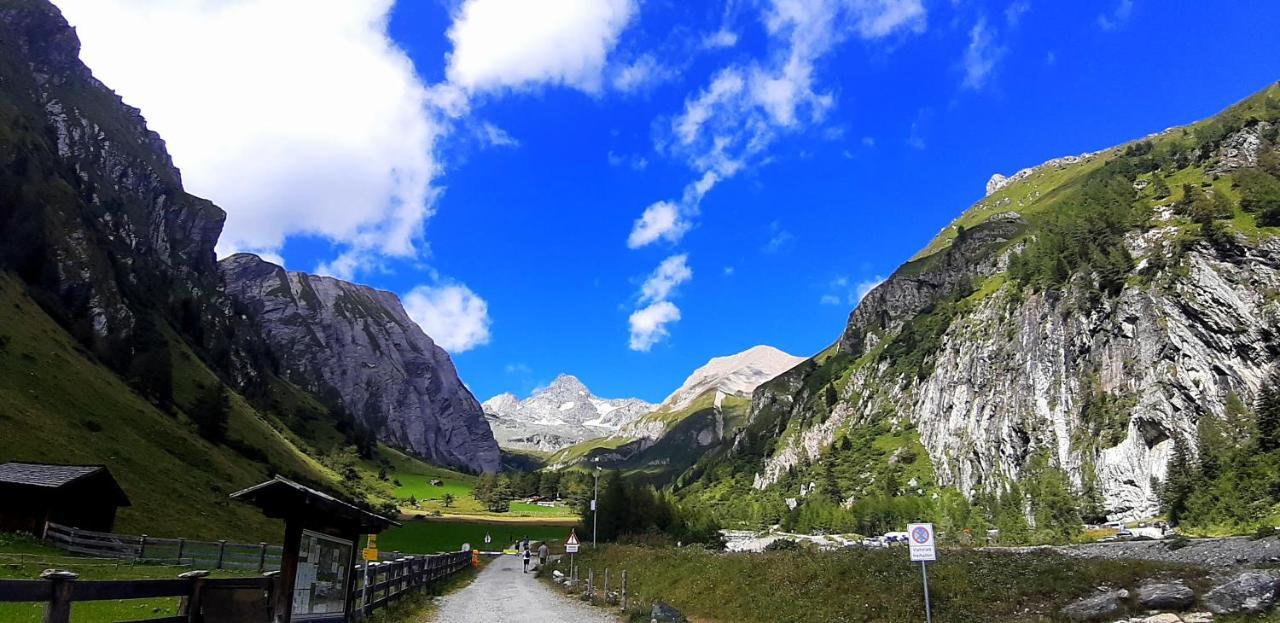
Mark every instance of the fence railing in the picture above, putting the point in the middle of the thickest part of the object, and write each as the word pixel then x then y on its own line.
pixel 216 601
pixel 380 584
pixel 259 557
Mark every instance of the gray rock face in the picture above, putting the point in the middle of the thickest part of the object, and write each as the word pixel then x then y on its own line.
pixel 113 230
pixel 1097 608
pixel 559 415
pixel 1012 374
pixel 1165 596
pixel 357 344
pixel 1250 592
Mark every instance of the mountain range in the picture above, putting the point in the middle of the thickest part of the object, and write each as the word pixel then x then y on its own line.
pixel 558 415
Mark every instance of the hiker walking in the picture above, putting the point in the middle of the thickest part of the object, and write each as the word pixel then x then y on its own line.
pixel 526 557
pixel 542 554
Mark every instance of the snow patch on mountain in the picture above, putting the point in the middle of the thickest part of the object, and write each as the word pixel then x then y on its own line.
pixel 559 415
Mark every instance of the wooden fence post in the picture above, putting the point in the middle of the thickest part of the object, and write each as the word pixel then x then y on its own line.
pixel 58 610
pixel 182 545
pixel 624 589
pixel 142 547
pixel 606 586
pixel 222 550
pixel 591 584
pixel 262 557
pixel 191 603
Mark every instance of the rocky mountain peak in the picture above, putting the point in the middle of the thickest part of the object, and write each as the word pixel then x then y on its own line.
pixel 358 346
pixel 559 415
pixel 733 375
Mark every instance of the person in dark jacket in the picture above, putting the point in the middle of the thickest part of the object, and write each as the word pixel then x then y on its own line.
pixel 526 557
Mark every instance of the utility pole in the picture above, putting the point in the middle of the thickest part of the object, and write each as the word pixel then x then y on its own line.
pixel 595 509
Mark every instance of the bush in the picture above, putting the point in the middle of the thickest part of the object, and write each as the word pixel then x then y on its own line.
pixel 782 545
pixel 1264 532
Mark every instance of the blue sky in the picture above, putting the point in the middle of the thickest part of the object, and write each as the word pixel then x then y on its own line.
pixel 502 201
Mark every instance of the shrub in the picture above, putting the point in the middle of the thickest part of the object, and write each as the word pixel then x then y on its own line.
pixel 782 545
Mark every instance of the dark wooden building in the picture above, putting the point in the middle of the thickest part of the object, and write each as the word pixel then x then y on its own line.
pixel 80 496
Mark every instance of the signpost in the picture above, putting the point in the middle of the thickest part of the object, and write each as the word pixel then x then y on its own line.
pixel 920 541
pixel 371 549
pixel 571 547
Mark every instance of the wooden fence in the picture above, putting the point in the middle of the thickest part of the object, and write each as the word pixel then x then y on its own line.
pixel 380 584
pixel 259 557
pixel 217 601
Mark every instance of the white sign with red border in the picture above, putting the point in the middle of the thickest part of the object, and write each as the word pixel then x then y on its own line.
pixel 920 541
pixel 571 545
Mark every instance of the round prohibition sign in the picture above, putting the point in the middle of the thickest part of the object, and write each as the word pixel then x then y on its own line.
pixel 920 535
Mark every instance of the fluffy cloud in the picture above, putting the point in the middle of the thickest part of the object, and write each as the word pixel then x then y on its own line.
pixel 730 124
pixel 672 272
pixel 296 117
pixel 644 73
pixel 662 220
pixel 516 43
pixel 454 316
pixel 649 324
pixel 981 56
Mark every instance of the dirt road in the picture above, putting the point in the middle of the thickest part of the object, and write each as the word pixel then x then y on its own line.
pixel 502 594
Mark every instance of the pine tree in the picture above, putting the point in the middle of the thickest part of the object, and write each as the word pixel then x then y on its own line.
pixel 1179 482
pixel 830 488
pixel 211 412
pixel 1267 409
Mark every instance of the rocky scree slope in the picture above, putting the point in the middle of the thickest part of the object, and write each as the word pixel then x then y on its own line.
pixel 560 415
pixel 1087 313
pixel 358 348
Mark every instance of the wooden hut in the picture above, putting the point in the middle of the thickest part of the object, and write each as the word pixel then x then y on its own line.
pixel 80 496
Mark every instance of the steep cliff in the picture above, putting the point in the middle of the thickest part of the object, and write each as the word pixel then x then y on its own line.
pixel 357 347
pixel 1084 315
pixel 93 216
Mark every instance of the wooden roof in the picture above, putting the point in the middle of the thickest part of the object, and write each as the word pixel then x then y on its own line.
pixel 51 476
pixel 282 498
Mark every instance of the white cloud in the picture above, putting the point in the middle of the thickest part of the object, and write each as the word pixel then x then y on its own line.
pixel 454 316
pixel 982 55
pixel 517 43
pixel 881 18
pixel 644 73
pixel 778 238
pixel 829 299
pixel 1118 16
pixel 495 136
pixel 295 117
pixel 723 38
pixel 663 281
pixel 649 324
pixel 868 141
pixel 660 221
pixel 1014 12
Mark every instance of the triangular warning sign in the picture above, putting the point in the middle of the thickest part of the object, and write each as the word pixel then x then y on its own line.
pixel 573 538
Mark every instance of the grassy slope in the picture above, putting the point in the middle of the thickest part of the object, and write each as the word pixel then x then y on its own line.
pixel 865 585
pixel 415 479
pixel 57 405
pixel 436 535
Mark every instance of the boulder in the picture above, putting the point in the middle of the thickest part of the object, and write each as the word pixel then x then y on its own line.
pixel 1197 617
pixel 1096 608
pixel 665 613
pixel 1249 592
pixel 1161 618
pixel 1165 596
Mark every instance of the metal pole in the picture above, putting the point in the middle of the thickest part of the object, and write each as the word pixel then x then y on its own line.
pixel 595 510
pixel 928 613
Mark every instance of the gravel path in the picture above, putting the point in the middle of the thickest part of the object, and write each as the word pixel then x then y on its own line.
pixel 501 593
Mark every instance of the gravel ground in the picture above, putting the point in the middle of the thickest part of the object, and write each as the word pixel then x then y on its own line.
pixel 501 593
pixel 1225 552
